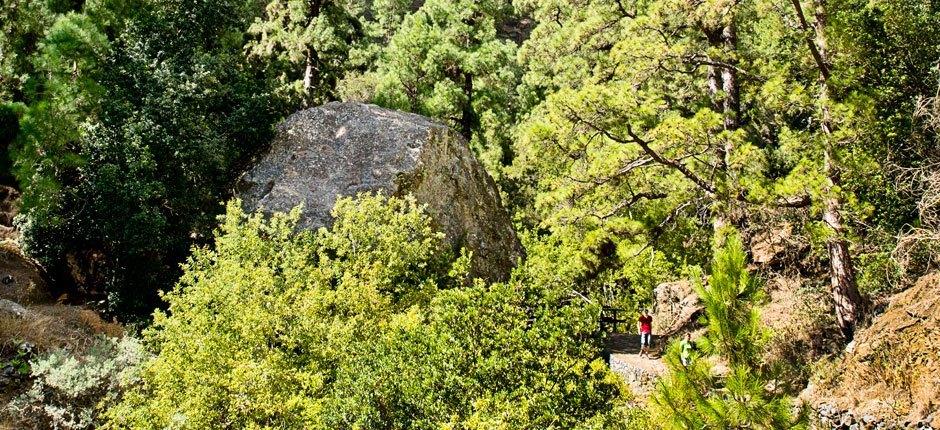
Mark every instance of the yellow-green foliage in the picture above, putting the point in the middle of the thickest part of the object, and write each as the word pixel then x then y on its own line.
pixel 366 325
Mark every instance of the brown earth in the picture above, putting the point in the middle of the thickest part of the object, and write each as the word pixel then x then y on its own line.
pixel 30 317
pixel 640 373
pixel 802 328
pixel 28 313
pixel 892 368
pixel 21 279
pixel 769 246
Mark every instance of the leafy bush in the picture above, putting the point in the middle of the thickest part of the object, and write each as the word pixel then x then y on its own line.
pixel 70 392
pixel 366 325
pixel 123 160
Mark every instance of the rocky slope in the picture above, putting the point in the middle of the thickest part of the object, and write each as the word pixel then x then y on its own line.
pixel 887 378
pixel 891 371
pixel 31 320
pixel 341 149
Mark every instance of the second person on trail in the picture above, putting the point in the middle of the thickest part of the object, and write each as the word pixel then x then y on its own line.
pixel 685 350
pixel 645 326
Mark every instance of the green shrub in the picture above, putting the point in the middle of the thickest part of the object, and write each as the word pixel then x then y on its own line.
pixel 70 392
pixel 366 325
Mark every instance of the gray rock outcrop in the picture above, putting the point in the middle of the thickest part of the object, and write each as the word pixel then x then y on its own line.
pixel 342 149
pixel 676 308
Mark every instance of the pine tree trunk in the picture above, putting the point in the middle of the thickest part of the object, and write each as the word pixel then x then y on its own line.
pixel 843 287
pixel 468 116
pixel 308 74
pixel 729 78
pixel 310 58
pixel 845 293
pixel 724 93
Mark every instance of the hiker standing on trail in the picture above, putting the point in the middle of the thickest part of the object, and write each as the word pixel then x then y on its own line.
pixel 645 325
pixel 685 350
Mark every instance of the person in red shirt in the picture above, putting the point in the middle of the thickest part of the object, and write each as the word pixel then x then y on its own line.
pixel 645 326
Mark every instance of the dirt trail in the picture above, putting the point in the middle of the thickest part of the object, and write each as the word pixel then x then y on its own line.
pixel 640 373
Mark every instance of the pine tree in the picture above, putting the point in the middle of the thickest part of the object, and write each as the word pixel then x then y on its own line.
pixel 694 396
pixel 309 43
pixel 448 60
pixel 673 119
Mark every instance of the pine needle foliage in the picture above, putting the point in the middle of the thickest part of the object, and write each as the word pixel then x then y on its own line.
pixel 700 395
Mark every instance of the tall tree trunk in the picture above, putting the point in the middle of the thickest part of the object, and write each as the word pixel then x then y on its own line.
pixel 311 57
pixel 724 93
pixel 729 77
pixel 843 286
pixel 719 213
pixel 468 115
pixel 841 270
pixel 308 73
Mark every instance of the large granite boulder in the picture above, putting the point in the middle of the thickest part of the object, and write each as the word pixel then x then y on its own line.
pixel 341 149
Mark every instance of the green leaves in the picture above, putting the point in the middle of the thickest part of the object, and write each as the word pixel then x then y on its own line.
pixel 363 325
pixel 143 129
pixel 397 230
pixel 310 45
pixel 447 61
pixel 72 45
pixel 630 133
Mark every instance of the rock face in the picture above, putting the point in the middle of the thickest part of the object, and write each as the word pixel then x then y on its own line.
pixel 342 149
pixel 676 308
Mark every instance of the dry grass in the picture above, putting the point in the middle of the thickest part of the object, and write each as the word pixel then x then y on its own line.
pixel 51 327
pixel 918 248
pixel 48 327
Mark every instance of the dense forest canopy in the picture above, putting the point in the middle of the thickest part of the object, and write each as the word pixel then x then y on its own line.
pixel 633 142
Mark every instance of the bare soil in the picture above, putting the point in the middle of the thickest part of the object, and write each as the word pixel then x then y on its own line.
pixel 892 368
